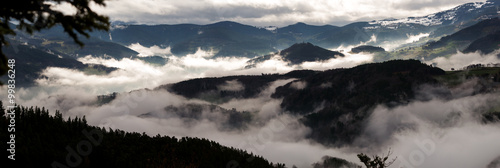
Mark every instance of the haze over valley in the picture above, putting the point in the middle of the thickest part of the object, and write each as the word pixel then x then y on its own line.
pixel 304 94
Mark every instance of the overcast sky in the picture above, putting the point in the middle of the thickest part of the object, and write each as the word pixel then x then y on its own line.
pixel 270 12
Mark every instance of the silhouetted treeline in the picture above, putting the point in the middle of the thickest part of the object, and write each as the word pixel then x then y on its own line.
pixel 44 140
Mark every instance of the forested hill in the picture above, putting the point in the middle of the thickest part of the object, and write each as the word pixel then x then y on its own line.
pixel 300 53
pixel 43 140
pixel 347 94
pixel 341 92
pixel 251 85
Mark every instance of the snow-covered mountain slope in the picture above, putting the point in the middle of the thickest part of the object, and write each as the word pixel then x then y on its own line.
pixel 465 12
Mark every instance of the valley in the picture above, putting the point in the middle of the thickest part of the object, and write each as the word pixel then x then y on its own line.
pixel 228 94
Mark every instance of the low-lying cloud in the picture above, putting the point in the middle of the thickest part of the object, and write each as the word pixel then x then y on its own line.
pixel 433 131
pixel 75 93
pixel 135 74
pixel 348 61
pixel 415 38
pixel 436 133
pixel 271 133
pixel 461 60
pixel 150 51
pixel 232 85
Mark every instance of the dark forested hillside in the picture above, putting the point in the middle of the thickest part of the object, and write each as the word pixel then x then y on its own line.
pixel 336 103
pixel 43 140
pixel 348 94
pixel 251 85
pixel 486 44
pixel 341 93
pixel 304 52
pixel 31 61
pixel 376 82
pixel 367 48
pixel 464 37
pixel 300 53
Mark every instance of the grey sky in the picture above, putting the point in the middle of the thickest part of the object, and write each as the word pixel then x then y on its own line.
pixel 270 12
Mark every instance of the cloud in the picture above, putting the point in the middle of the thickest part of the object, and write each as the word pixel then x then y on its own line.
pixel 150 51
pixel 461 60
pixel 415 38
pixel 267 12
pixel 348 61
pixel 272 133
pixel 299 85
pixel 431 133
pixel 135 74
pixel 450 123
pixel 266 107
pixel 232 85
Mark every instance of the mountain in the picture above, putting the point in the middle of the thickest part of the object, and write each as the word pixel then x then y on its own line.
pixel 482 36
pixel 467 35
pixel 340 91
pixel 94 47
pixel 486 44
pixel 31 61
pixel 347 94
pixel 304 52
pixel 210 89
pixel 301 52
pixel 367 48
pixel 304 30
pixel 462 14
pixel 57 41
pixel 234 39
pixel 468 26
pixel 336 103
pixel 300 32
pixel 53 48
pixel 226 38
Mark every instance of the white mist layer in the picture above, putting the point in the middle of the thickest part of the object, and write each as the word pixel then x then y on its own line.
pixel 439 133
pixel 461 60
pixel 150 51
pixel 136 74
pixel 432 133
pixel 415 38
pixel 387 45
pixel 279 137
pixel 272 133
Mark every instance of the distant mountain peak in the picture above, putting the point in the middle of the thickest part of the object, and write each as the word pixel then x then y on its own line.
pixel 304 52
pixel 299 53
pixel 226 23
